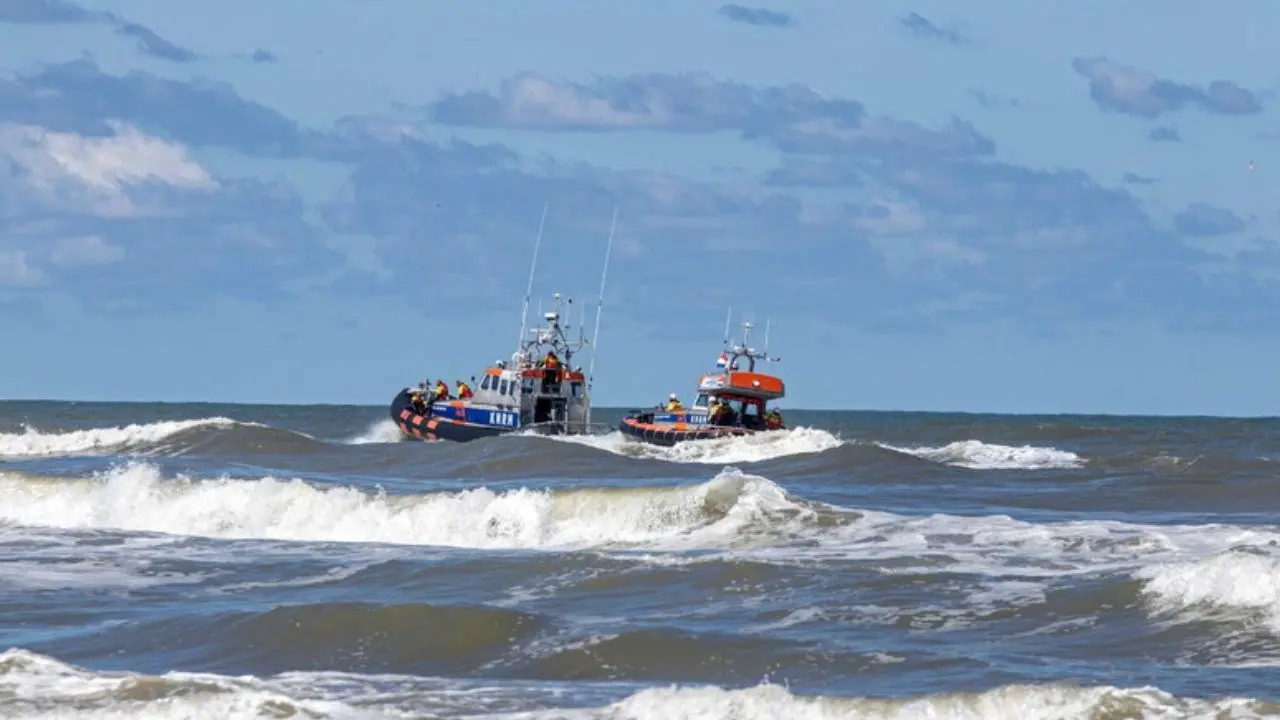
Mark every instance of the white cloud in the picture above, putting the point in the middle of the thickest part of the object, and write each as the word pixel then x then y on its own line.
pixel 14 269
pixel 86 250
pixel 536 101
pixel 98 171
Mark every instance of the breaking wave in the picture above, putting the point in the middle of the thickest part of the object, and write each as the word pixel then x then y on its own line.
pixel 32 442
pixel 1062 701
pixel 137 498
pixel 731 515
pixel 36 686
pixel 977 455
pixel 175 437
pixel 1236 583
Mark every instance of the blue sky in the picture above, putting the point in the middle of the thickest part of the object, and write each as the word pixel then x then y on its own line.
pixel 1030 208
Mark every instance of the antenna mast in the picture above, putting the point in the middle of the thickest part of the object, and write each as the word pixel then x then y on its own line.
pixel 728 319
pixel 595 347
pixel 524 311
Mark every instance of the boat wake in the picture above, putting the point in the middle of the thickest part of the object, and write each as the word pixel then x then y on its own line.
pixel 758 447
pixel 378 432
pixel 803 441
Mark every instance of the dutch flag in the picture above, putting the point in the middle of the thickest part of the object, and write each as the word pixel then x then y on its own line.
pixel 722 361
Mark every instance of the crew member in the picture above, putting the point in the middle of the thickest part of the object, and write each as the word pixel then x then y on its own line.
pixel 550 370
pixel 673 403
pixel 464 390
pixel 441 391
pixel 416 399
pixel 773 419
pixel 726 415
pixel 716 412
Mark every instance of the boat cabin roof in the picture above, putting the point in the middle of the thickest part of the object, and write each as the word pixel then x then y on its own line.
pixel 739 377
pixel 755 385
pixel 502 385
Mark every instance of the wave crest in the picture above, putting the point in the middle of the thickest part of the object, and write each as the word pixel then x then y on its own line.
pixel 769 701
pixel 64 690
pixel 1231 582
pixel 135 497
pixel 61 690
pixel 978 455
pixel 34 443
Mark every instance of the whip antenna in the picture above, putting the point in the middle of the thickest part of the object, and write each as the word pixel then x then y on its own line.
pixel 595 346
pixel 524 310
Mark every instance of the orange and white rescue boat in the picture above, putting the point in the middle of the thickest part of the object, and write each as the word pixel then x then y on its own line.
pixel 731 402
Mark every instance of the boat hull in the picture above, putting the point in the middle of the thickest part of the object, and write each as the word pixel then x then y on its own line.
pixel 415 425
pixel 666 434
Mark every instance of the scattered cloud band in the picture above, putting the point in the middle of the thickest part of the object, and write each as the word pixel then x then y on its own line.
pixel 759 17
pixel 1122 89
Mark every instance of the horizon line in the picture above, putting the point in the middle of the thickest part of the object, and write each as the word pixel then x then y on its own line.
pixel 624 408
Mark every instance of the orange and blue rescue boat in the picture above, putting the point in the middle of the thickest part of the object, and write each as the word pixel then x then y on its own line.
pixel 537 391
pixel 732 402
pixel 540 390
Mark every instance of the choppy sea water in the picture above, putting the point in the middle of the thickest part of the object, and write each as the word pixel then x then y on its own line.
pixel 201 561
